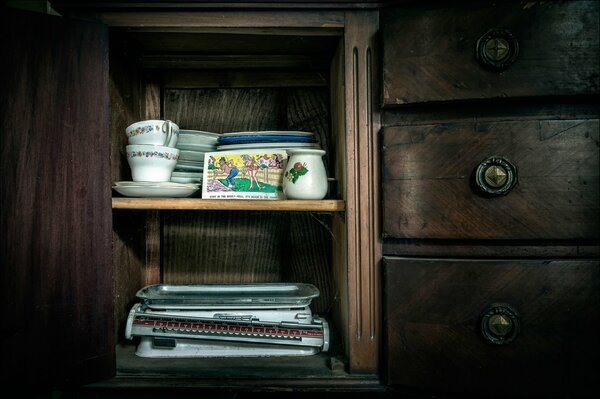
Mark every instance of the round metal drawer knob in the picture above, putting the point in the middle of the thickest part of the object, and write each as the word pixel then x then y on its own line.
pixel 497 49
pixel 500 324
pixel 495 176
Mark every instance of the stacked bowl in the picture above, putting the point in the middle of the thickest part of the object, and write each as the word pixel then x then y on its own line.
pixel 152 157
pixel 192 145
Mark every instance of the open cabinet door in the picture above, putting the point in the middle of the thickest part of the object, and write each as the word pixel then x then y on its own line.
pixel 56 277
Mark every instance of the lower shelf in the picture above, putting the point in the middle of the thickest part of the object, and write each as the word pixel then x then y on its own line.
pixel 323 371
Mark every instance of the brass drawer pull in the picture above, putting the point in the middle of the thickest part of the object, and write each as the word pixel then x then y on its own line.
pixel 495 176
pixel 500 324
pixel 497 49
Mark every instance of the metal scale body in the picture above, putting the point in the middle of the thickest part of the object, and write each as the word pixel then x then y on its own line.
pixel 227 320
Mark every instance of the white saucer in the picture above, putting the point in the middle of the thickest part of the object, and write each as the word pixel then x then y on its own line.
pixel 184 190
pixel 150 184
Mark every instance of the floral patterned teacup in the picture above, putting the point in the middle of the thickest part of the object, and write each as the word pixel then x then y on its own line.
pixel 153 132
pixel 151 162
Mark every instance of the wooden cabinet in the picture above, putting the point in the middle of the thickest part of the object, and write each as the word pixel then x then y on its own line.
pixel 491 197
pixel 463 138
pixel 223 69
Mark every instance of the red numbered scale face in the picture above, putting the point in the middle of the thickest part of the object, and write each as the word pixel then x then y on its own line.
pixel 158 325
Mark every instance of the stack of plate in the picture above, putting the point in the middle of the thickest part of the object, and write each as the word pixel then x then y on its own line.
pixel 192 145
pixel 266 139
pixel 155 189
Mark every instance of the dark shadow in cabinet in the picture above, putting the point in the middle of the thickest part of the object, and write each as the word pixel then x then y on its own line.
pixel 256 247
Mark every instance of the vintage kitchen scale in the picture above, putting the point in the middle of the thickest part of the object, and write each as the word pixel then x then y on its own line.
pixel 217 320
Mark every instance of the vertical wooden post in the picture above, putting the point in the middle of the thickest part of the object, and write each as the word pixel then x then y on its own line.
pixel 151 272
pixel 362 192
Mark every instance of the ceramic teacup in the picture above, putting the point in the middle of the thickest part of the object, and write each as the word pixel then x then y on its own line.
pixel 153 132
pixel 151 162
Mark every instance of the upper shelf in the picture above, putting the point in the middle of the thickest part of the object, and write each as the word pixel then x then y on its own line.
pixel 250 205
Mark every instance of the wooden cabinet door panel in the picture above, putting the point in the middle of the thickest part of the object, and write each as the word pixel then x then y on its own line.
pixel 56 277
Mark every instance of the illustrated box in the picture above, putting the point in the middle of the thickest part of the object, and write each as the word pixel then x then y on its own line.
pixel 244 174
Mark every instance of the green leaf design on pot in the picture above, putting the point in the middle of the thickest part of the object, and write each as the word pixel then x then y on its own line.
pixel 299 169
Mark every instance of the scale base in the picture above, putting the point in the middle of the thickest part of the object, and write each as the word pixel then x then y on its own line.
pixel 189 348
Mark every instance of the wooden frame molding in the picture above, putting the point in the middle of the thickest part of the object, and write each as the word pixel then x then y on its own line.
pixel 362 202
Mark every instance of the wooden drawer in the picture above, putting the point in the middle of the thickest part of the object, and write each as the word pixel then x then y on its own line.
pixel 429 189
pixel 433 311
pixel 429 53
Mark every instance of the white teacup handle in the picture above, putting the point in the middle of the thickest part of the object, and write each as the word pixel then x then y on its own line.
pixel 167 127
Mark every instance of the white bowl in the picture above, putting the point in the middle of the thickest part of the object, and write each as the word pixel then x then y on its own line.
pixel 153 132
pixel 151 162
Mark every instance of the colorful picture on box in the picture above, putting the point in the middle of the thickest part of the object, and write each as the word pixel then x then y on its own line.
pixel 253 175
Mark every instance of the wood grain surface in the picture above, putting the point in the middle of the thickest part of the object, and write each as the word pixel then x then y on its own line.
pixel 428 171
pixel 429 50
pixel 56 279
pixel 126 104
pixel 256 247
pixel 432 312
pixel 242 205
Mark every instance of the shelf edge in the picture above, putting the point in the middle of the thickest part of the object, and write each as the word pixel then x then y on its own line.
pixel 233 205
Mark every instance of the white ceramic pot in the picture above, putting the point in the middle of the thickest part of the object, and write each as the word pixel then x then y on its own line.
pixel 153 132
pixel 305 177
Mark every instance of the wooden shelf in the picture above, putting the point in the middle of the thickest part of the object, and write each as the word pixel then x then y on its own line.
pixel 235 205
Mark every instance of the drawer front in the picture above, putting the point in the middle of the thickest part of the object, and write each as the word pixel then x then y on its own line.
pixel 431 54
pixel 433 315
pixel 430 188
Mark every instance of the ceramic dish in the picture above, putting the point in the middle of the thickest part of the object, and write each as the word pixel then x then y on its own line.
pixel 151 184
pixel 268 133
pixel 185 155
pixel 282 145
pixel 186 174
pixel 199 133
pixel 197 147
pixel 187 179
pixel 264 138
pixel 189 167
pixel 157 191
pixel 197 137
